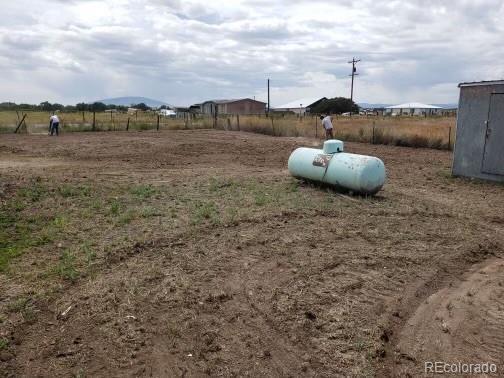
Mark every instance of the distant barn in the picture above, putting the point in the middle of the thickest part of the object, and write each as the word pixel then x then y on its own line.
pixel 479 150
pixel 237 106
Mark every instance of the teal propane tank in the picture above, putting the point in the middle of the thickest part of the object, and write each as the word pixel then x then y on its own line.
pixel 359 173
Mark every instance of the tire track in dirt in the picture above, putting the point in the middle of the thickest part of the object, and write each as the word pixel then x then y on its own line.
pixel 93 322
pixel 268 352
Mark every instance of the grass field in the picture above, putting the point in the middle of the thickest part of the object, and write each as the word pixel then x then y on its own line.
pixel 190 253
pixel 433 132
pixel 37 122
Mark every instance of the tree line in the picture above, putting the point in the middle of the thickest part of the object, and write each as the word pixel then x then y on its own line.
pixel 81 107
pixel 337 105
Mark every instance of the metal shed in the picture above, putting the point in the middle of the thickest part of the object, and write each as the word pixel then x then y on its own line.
pixel 479 147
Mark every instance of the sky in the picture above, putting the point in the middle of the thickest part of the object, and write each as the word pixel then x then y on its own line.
pixel 183 52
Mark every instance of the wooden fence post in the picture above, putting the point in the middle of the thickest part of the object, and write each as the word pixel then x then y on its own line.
pixel 157 127
pixel 127 125
pixel 83 117
pixel 94 121
pixel 20 123
pixel 238 121
pixel 373 139
pixel 449 138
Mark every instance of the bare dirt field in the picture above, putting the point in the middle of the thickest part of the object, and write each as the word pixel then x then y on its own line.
pixel 193 253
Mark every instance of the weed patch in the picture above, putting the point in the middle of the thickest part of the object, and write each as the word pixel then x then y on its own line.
pixel 115 207
pixel 143 191
pixel 89 253
pixel 66 268
pixel 148 212
pixel 204 211
pixel 34 192
pixel 23 306
pixel 67 191
pixel 4 343
pixel 127 217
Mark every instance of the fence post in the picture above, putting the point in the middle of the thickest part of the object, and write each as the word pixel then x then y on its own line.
pixel 238 121
pixel 94 121
pixel 20 123
pixel 273 126
pixel 157 127
pixel 373 140
pixel 83 117
pixel 449 138
pixel 228 124
pixel 127 125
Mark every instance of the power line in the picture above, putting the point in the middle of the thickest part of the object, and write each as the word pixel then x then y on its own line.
pixel 353 62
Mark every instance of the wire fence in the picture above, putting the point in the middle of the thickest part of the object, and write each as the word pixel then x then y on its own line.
pixel 432 132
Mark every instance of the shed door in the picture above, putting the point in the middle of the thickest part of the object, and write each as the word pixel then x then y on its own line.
pixel 493 159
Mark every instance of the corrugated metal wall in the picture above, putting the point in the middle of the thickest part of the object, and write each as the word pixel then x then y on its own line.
pixel 480 130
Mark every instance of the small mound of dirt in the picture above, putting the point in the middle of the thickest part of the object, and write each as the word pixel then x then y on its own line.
pixel 460 323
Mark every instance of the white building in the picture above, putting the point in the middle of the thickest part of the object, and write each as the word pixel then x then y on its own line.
pixel 300 106
pixel 412 109
pixel 167 113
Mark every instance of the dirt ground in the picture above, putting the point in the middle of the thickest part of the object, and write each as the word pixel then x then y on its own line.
pixel 192 253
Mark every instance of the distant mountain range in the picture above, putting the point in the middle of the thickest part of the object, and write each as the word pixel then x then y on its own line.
pixel 447 106
pixel 366 105
pixel 128 101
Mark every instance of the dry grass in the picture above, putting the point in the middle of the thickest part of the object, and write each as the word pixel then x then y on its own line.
pixel 38 122
pixel 433 132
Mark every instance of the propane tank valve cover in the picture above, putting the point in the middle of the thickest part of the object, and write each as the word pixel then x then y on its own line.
pixel 333 146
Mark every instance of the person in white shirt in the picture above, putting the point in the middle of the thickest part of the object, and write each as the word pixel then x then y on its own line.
pixel 54 125
pixel 328 127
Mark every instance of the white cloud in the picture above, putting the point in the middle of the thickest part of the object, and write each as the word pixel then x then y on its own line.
pixel 187 51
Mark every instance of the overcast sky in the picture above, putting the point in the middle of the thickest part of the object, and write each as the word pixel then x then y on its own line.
pixel 183 52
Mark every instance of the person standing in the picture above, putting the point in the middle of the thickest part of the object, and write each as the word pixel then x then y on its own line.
pixel 328 127
pixel 54 124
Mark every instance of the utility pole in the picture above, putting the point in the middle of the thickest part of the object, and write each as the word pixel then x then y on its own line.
pixel 268 96
pixel 353 62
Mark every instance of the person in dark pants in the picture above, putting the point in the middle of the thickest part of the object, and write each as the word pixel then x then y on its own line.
pixel 54 125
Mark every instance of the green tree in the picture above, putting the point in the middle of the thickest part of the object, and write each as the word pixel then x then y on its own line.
pixel 46 106
pixel 337 105
pixel 82 107
pixel 98 107
pixel 141 106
